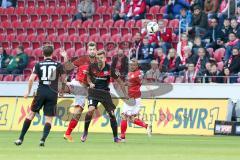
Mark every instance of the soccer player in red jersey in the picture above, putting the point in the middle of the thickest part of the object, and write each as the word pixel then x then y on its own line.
pixel 131 108
pixel 78 87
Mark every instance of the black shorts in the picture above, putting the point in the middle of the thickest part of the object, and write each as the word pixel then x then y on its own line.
pixel 47 99
pixel 95 96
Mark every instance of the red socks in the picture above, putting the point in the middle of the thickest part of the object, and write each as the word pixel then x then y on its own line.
pixel 123 128
pixel 72 124
pixel 140 123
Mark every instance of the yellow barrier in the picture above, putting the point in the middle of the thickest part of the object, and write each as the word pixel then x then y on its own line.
pixel 171 116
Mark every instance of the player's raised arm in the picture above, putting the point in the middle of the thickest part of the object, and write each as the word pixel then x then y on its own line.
pixel 122 85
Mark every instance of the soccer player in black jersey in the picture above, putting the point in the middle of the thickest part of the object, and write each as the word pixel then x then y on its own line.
pixel 99 75
pixel 49 73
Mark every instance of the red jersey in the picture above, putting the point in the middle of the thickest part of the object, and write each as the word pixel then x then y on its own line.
pixel 134 83
pixel 81 74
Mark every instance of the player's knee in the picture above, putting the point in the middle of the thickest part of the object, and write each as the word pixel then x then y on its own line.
pixel 111 115
pixel 31 115
pixel 131 119
pixel 78 109
pixel 48 119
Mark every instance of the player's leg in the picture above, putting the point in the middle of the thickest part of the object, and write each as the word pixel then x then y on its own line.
pixel 78 109
pixel 114 125
pixel 123 127
pixel 92 105
pixel 25 127
pixel 46 129
pixel 35 108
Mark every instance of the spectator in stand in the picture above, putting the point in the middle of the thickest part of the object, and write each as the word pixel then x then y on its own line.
pixel 189 56
pixel 190 74
pixel 226 29
pixel 174 7
pixel 224 76
pixel 120 63
pixel 183 43
pixel 238 13
pixel 136 10
pixel 197 43
pixel 213 75
pixel 233 42
pixel 210 7
pixel 223 10
pixel 154 73
pixel 162 60
pixel 145 54
pixel 202 60
pixel 4 59
pixel 137 40
pixel 235 27
pixel 214 36
pixel 17 63
pixel 199 21
pixel 163 38
pixel 120 9
pixel 185 20
pixel 86 9
pixel 8 3
pixel 174 61
pixel 233 63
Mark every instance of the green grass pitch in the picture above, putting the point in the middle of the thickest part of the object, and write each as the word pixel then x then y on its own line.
pixel 137 147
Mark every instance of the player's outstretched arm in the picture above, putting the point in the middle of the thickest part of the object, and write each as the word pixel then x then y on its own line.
pixel 122 85
pixel 30 83
pixel 64 55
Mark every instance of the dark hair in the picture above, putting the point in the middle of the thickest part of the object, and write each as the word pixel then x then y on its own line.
pixel 232 33
pixel 4 51
pixel 47 51
pixel 101 52
pixel 21 48
pixel 235 48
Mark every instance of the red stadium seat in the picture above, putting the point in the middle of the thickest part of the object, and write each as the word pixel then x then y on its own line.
pixel 57 44
pixel 31 64
pixel 52 37
pixel 135 30
pixel 50 30
pixel 106 16
pixel 11 37
pixel 9 11
pixel 130 24
pixel 98 23
pixel 87 23
pixel 77 24
pixel 16 24
pixel 41 3
pixel 46 24
pixel 139 24
pixel 108 23
pixel 84 38
pixel 30 31
pixel 40 10
pixel 119 23
pixel 44 17
pixel 67 45
pixel 150 16
pixel 5 44
pixel 26 24
pixel 114 30
pixel 20 30
pixel 41 37
pixel 78 45
pixel 105 2
pixel 124 30
pixel 71 10
pixel 71 31
pixel 110 10
pixel 8 78
pixel 30 3
pixel 30 10
pixel 28 51
pixel 103 30
pixel 220 65
pixel 60 31
pixel 66 23
pixel 95 37
pixel 96 17
pixel 100 10
pixel 2 10
pixel 2 37
pixel 50 10
pixel 100 45
pixel 62 3
pixel 35 24
pixel 219 54
pixel 154 9
pixel 80 52
pixel 73 37
pixel 23 17
pixel 20 4
pixel 15 44
pixel 116 38
pixel 56 24
pixel 37 52
pixel 52 3
pixel 127 38
pixel 3 18
pixel 159 16
pixel 71 52
pixel 106 37
pixel 13 18
pixel 92 31
pixel 31 37
pixel 26 44
pixel 163 10
pixel 34 17
pixel 60 10
pixel 9 30
pixel 63 37
pixel 36 45
pixel 1 77
pixel 6 24
pixel 21 37
pixel 173 23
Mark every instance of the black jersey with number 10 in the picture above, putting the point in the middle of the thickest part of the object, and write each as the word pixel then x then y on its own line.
pixel 48 72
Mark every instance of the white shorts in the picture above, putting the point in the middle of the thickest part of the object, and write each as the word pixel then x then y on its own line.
pixel 79 91
pixel 132 107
